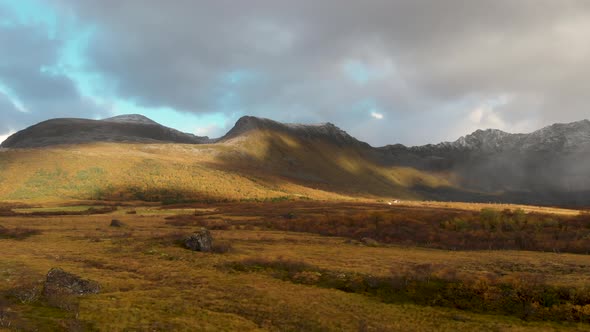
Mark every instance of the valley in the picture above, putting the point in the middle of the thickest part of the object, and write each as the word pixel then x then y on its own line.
pixel 292 266
pixel 304 228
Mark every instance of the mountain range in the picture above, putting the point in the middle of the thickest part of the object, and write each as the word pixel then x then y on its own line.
pixel 548 166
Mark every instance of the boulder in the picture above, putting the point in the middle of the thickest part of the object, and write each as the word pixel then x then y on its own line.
pixel 199 241
pixel 59 282
pixel 117 223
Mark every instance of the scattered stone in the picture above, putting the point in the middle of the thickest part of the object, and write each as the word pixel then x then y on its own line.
pixel 117 223
pixel 352 241
pixel 369 242
pixel 459 318
pixel 199 241
pixel 59 282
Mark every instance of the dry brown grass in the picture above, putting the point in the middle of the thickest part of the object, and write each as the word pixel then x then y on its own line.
pixel 151 283
pixel 464 206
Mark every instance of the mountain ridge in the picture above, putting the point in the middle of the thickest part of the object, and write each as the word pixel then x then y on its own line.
pixel 494 137
pixel 327 130
pixel 127 128
pixel 548 166
pixel 487 139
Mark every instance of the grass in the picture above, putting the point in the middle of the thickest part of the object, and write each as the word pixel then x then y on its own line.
pixel 149 282
pixel 75 208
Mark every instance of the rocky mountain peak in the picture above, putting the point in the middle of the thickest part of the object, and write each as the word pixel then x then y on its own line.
pixel 131 118
pixel 489 139
pixel 325 131
pixel 565 136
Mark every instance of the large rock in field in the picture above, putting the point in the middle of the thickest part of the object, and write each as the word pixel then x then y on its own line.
pixel 199 241
pixel 59 282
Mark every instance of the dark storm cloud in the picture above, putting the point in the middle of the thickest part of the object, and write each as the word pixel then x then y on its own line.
pixel 433 69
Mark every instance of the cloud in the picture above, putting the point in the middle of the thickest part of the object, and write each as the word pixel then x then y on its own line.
pixel 211 131
pixel 4 137
pixel 31 90
pixel 376 115
pixel 431 64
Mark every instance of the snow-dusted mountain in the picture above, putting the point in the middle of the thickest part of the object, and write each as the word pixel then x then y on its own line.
pixel 548 162
pixel 557 137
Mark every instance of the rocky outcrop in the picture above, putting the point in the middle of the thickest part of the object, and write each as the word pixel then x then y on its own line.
pixel 59 282
pixel 200 240
pixel 557 138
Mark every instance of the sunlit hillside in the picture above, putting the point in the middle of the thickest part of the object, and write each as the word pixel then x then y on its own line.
pixel 260 165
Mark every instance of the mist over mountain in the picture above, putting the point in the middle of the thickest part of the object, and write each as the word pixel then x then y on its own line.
pixel 548 166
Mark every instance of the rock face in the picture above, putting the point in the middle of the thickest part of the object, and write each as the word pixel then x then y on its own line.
pixel 199 241
pixel 59 282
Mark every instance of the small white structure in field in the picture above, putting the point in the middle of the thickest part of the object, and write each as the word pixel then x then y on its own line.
pixel 395 201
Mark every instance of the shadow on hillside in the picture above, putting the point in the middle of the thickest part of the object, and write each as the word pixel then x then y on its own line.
pixel 323 166
pixel 346 170
pixel 165 196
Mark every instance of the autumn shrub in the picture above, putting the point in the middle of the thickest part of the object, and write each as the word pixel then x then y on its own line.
pixel 192 220
pixel 89 211
pixel 523 295
pixel 221 247
pixel 17 233
pixel 7 212
pixel 488 229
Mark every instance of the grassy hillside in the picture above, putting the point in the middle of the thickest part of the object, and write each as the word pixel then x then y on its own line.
pixel 258 166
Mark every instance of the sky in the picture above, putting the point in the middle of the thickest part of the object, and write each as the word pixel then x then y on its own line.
pixel 386 71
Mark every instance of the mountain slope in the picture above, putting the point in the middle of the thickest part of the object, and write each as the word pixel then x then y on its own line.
pixel 550 165
pixel 128 128
pixel 261 158
pixel 257 159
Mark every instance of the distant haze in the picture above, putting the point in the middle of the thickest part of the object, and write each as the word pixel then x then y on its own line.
pixel 386 71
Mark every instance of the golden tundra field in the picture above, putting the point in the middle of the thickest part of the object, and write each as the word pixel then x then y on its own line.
pixel 298 266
